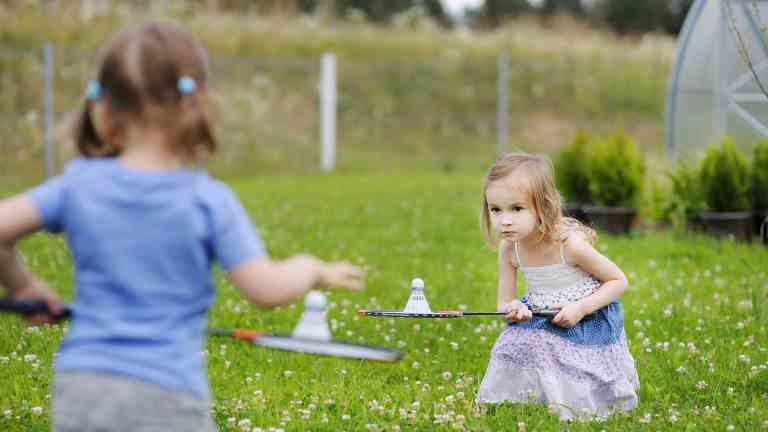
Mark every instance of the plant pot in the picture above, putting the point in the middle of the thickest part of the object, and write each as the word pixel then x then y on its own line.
pixel 737 225
pixel 694 223
pixel 758 217
pixel 613 220
pixel 575 210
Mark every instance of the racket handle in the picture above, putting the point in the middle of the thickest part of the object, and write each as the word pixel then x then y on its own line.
pixel 242 334
pixel 27 308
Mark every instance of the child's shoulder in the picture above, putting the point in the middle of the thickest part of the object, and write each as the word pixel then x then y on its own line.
pixel 576 244
pixel 214 192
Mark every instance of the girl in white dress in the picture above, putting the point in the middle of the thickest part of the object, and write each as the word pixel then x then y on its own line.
pixel 577 363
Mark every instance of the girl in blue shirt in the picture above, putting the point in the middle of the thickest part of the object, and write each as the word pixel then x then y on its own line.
pixel 144 227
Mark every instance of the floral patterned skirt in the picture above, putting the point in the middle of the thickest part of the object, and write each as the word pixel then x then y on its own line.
pixel 576 378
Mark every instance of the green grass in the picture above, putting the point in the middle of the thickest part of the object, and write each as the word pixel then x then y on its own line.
pixel 695 313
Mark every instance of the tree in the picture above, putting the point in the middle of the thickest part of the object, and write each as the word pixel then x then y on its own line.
pixel 493 13
pixel 633 16
pixel 570 6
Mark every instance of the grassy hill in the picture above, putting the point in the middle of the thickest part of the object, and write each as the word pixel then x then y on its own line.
pixel 409 97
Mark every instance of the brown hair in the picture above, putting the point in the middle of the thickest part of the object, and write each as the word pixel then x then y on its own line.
pixel 139 75
pixel 538 177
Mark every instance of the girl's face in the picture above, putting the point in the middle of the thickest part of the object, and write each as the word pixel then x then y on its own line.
pixel 511 210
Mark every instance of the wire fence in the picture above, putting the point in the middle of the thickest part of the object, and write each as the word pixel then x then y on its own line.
pixel 390 113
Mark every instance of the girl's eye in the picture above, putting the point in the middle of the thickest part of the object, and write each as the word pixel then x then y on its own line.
pixel 495 210
pixel 518 208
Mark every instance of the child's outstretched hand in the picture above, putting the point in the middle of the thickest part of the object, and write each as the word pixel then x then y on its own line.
pixel 516 311
pixel 341 275
pixel 569 315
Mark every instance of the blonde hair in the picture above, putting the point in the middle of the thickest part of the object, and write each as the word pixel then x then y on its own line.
pixel 539 184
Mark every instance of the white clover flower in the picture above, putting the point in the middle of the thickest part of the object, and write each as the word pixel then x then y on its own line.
pixel 646 418
pixel 244 424
pixel 345 417
pixel 36 410
pixel 415 365
pixel 287 373
pixel 701 385
pixel 446 375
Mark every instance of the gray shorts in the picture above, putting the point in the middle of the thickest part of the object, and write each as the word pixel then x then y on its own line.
pixel 89 402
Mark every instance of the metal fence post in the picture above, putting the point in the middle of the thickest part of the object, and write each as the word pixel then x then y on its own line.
pixel 502 104
pixel 328 112
pixel 48 107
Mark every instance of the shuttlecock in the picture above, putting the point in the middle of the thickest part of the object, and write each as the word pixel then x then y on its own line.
pixel 312 324
pixel 417 302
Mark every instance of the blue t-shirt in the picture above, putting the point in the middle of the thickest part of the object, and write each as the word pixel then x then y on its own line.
pixel 143 245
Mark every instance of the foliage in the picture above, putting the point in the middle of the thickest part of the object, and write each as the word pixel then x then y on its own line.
pixel 686 196
pixel 759 186
pixel 572 169
pixel 725 178
pixel 616 171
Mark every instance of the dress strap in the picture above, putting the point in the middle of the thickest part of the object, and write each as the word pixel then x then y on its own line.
pixel 517 255
pixel 562 252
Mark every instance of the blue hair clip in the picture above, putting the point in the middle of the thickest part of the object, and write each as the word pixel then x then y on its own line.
pixel 186 85
pixel 93 90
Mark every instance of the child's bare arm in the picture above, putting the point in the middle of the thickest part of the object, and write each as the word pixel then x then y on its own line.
pixel 507 290
pixel 581 253
pixel 269 283
pixel 18 217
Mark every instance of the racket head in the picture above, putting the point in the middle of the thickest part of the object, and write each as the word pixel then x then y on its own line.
pixel 401 314
pixel 329 348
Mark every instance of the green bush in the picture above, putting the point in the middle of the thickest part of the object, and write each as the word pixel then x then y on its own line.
pixel 725 178
pixel 686 196
pixel 616 171
pixel 572 170
pixel 760 177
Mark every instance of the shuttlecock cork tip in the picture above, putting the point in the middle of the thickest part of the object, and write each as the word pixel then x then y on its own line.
pixel 417 283
pixel 315 300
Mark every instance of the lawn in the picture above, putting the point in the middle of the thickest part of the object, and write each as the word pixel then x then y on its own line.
pixel 695 318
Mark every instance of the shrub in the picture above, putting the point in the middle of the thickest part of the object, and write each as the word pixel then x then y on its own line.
pixel 686 197
pixel 725 178
pixel 759 186
pixel 616 172
pixel 572 169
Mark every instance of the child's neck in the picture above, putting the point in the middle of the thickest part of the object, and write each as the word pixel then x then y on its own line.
pixel 148 149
